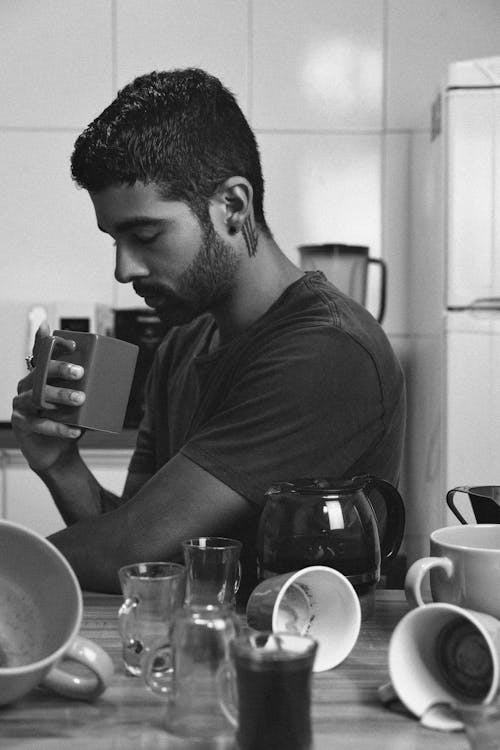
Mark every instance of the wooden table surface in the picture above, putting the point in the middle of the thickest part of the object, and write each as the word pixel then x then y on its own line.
pixel 346 710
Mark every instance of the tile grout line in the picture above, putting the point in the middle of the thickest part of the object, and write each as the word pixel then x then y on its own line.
pixel 383 143
pixel 114 48
pixel 250 60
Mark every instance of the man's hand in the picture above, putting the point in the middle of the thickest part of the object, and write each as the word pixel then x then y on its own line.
pixel 43 441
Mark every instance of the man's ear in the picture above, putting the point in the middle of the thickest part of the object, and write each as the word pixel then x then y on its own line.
pixel 236 200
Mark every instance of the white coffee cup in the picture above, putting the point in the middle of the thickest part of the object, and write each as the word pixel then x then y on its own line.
pixel 315 601
pixel 441 655
pixel 40 617
pixel 464 565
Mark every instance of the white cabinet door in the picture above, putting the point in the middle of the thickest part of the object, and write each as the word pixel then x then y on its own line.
pixel 473 400
pixel 27 501
pixel 472 271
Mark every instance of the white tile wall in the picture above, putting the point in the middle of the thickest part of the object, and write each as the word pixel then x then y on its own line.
pixel 396 167
pixel 422 38
pixel 52 249
pixel 159 35
pixel 322 188
pixel 56 62
pixel 317 65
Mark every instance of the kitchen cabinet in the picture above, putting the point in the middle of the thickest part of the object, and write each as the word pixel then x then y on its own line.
pixel 24 498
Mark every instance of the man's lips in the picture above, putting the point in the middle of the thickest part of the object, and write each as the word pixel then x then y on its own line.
pixel 153 301
pixel 152 297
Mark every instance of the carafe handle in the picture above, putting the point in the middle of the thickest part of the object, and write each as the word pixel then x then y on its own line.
pixel 395 509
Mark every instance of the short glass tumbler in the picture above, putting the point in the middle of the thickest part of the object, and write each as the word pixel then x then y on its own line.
pixel 213 570
pixel 267 695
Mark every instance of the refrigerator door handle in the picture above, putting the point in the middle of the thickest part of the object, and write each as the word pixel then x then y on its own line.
pixel 481 303
pixel 485 303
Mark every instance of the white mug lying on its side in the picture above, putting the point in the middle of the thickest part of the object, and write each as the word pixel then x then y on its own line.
pixel 40 617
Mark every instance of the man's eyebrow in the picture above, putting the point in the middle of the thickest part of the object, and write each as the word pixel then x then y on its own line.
pixel 135 222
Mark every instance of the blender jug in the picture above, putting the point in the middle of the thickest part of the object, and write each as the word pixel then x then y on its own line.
pixel 346 266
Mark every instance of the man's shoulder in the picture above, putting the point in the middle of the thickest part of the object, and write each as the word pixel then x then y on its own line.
pixel 314 302
pixel 313 314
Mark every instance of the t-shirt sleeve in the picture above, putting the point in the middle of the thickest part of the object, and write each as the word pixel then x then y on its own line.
pixel 308 405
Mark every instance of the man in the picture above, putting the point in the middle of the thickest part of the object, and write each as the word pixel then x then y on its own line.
pixel 268 374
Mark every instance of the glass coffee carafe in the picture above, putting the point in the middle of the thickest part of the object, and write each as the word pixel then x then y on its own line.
pixel 333 523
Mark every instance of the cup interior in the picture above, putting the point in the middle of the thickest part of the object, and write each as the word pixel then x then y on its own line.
pixel 322 603
pixel 41 601
pixel 266 650
pixel 471 536
pixel 438 654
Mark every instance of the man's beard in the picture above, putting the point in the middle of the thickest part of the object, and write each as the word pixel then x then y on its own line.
pixel 205 285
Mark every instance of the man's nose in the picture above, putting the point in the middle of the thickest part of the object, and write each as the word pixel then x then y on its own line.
pixel 128 265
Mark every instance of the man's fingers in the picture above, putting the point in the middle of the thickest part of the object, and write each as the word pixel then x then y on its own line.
pixel 43 330
pixel 43 426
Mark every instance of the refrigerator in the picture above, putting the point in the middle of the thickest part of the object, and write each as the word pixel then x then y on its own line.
pixel 454 380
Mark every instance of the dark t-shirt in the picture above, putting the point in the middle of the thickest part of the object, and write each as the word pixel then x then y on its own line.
pixel 311 388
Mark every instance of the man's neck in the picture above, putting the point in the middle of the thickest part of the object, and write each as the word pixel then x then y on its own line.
pixel 261 280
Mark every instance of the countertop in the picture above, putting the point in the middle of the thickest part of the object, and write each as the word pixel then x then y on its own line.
pixel 346 711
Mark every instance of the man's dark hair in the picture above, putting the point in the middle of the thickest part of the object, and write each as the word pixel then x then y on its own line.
pixel 181 129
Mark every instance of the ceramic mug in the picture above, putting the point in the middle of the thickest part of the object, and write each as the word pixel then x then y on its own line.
pixel 464 565
pixel 484 501
pixel 441 655
pixel 315 601
pixel 108 365
pixel 40 617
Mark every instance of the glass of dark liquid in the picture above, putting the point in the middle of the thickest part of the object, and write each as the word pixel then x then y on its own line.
pixel 272 676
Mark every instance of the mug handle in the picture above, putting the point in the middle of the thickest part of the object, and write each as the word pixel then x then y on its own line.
pixel 127 616
pixel 227 692
pixel 383 284
pixel 391 542
pixel 88 653
pixel 237 582
pixel 158 669
pixel 44 350
pixel 451 504
pixel 415 576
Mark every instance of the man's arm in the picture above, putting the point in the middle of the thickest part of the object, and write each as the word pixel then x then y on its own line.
pixel 77 493
pixel 180 501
